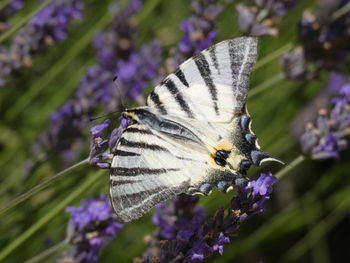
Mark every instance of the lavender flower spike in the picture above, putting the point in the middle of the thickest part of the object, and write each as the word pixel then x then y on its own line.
pixel 184 236
pixel 258 17
pixel 327 137
pixel 91 227
pixel 43 30
pixel 199 31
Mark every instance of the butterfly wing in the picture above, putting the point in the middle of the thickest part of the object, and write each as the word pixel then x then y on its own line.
pixel 149 167
pixel 212 85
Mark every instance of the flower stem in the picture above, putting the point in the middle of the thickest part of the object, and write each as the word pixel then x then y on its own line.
pixel 85 186
pixel 266 84
pixel 274 55
pixel 4 3
pixel 19 199
pixel 47 252
pixel 22 21
pixel 290 167
pixel 340 12
pixel 321 229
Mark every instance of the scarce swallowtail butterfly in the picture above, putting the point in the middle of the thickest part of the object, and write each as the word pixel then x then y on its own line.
pixel 193 135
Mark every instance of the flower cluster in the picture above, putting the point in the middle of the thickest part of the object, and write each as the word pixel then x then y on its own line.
pixel 199 32
pixel 91 227
pixel 259 17
pixel 9 10
pixel 117 56
pixel 44 29
pixel 184 236
pixel 327 137
pixel 324 41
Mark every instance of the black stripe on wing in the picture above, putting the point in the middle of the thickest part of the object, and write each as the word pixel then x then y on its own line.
pixel 181 76
pixel 137 130
pixel 170 85
pixel 204 69
pixel 212 52
pixel 142 145
pixel 159 105
pixel 113 182
pixel 123 171
pixel 125 153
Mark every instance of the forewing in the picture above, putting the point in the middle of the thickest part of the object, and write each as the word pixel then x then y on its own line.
pixel 212 85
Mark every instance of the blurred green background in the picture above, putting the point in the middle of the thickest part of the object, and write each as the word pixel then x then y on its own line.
pixel 307 218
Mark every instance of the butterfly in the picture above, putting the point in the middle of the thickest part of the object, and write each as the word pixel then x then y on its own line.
pixel 194 133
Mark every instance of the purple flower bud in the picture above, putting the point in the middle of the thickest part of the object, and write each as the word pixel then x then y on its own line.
pixel 98 129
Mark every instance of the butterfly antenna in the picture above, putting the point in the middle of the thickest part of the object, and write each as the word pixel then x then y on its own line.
pixel 103 116
pixel 120 95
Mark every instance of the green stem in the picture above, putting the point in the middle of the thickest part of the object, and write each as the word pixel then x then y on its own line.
pixel 19 199
pixel 274 55
pixel 318 231
pixel 4 3
pixel 27 98
pixel 290 167
pixel 340 12
pixel 23 21
pixel 47 252
pixel 86 185
pixel 265 85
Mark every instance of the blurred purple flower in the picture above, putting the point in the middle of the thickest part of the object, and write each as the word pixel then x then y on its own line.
pixel 115 49
pixel 324 40
pixel 9 10
pixel 199 32
pixel 327 137
pixel 259 17
pixel 91 227
pixel 46 28
pixel 184 236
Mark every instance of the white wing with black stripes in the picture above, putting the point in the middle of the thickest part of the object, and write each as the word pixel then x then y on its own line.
pixel 193 135
pixel 212 85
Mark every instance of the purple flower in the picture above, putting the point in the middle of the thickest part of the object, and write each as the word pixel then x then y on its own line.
pixel 183 234
pixel 91 227
pixel 327 137
pixel 98 129
pixel 43 30
pixel 263 186
pixel 324 42
pixel 258 17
